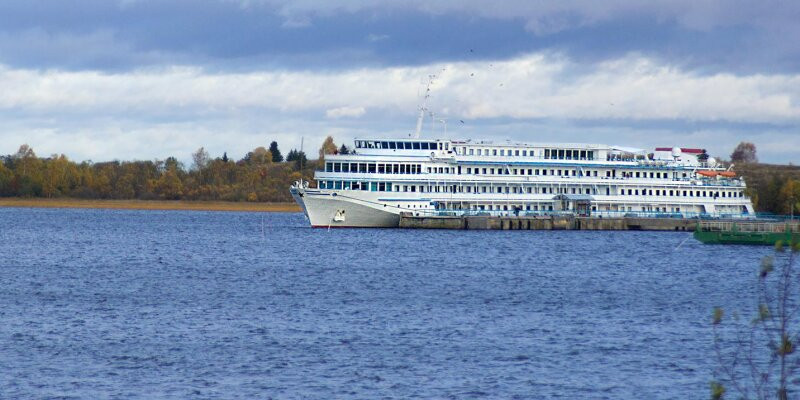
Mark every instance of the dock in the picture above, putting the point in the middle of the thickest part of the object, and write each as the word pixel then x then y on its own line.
pixel 547 222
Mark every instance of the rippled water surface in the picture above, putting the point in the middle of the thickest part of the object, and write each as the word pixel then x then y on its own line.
pixel 152 304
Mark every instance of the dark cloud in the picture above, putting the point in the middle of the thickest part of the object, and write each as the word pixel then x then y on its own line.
pixel 107 35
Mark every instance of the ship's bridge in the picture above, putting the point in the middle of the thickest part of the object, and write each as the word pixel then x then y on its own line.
pixel 405 147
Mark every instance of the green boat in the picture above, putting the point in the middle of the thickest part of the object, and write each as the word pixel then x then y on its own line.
pixel 753 233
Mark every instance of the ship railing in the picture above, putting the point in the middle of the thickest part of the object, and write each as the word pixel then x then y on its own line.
pixel 751 227
pixel 700 216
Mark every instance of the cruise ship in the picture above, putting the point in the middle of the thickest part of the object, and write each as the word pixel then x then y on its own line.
pixel 382 178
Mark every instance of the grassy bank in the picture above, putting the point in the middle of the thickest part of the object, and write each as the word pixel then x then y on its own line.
pixel 149 205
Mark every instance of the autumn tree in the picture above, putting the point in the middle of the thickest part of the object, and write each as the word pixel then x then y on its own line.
pixel 200 159
pixel 744 153
pixel 328 147
pixel 28 172
pixel 261 156
pixel 276 153
pixel 789 197
pixel 6 178
pixel 59 176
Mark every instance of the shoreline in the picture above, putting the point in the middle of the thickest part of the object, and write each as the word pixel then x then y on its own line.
pixel 177 205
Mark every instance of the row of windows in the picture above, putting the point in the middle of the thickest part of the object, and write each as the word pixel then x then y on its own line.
pixel 681 193
pixel 350 185
pixel 380 144
pixel 524 171
pixel 553 154
pixel 372 168
pixel 381 168
pixel 563 154
pixel 506 189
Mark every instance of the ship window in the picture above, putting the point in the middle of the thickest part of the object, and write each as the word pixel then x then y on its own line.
pixel 393 145
pixel 516 152
pixel 494 152
pixel 479 151
pixel 416 145
pixel 380 169
pixel 337 167
pixel 338 184
pixel 371 168
pixel 384 145
pixel 328 167
pixel 347 185
pixel 560 154
pixel 362 168
pixel 583 154
pixel 346 167
pixel 502 152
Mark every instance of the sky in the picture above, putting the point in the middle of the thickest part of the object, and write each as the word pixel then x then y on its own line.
pixel 138 79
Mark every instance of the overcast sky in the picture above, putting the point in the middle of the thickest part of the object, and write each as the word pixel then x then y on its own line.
pixel 137 79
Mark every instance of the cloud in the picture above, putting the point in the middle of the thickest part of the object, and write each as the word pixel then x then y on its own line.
pixel 539 85
pixel 740 36
pixel 345 112
pixel 632 100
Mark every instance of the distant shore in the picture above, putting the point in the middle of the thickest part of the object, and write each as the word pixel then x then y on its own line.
pixel 149 204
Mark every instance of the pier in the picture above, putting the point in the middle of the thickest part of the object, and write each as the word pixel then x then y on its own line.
pixel 549 222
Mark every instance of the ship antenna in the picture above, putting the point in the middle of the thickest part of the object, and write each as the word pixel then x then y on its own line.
pixel 424 106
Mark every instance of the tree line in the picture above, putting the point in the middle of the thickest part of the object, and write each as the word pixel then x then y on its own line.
pixel 773 188
pixel 261 175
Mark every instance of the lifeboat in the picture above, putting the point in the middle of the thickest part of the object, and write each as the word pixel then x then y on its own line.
pixel 707 173
pixel 727 174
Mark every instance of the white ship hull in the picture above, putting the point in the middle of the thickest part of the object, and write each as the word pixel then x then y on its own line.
pixel 331 210
pixel 372 186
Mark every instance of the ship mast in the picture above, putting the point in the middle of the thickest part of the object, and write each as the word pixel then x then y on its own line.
pixel 424 107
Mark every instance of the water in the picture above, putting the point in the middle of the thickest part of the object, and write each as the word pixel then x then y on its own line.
pixel 152 304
